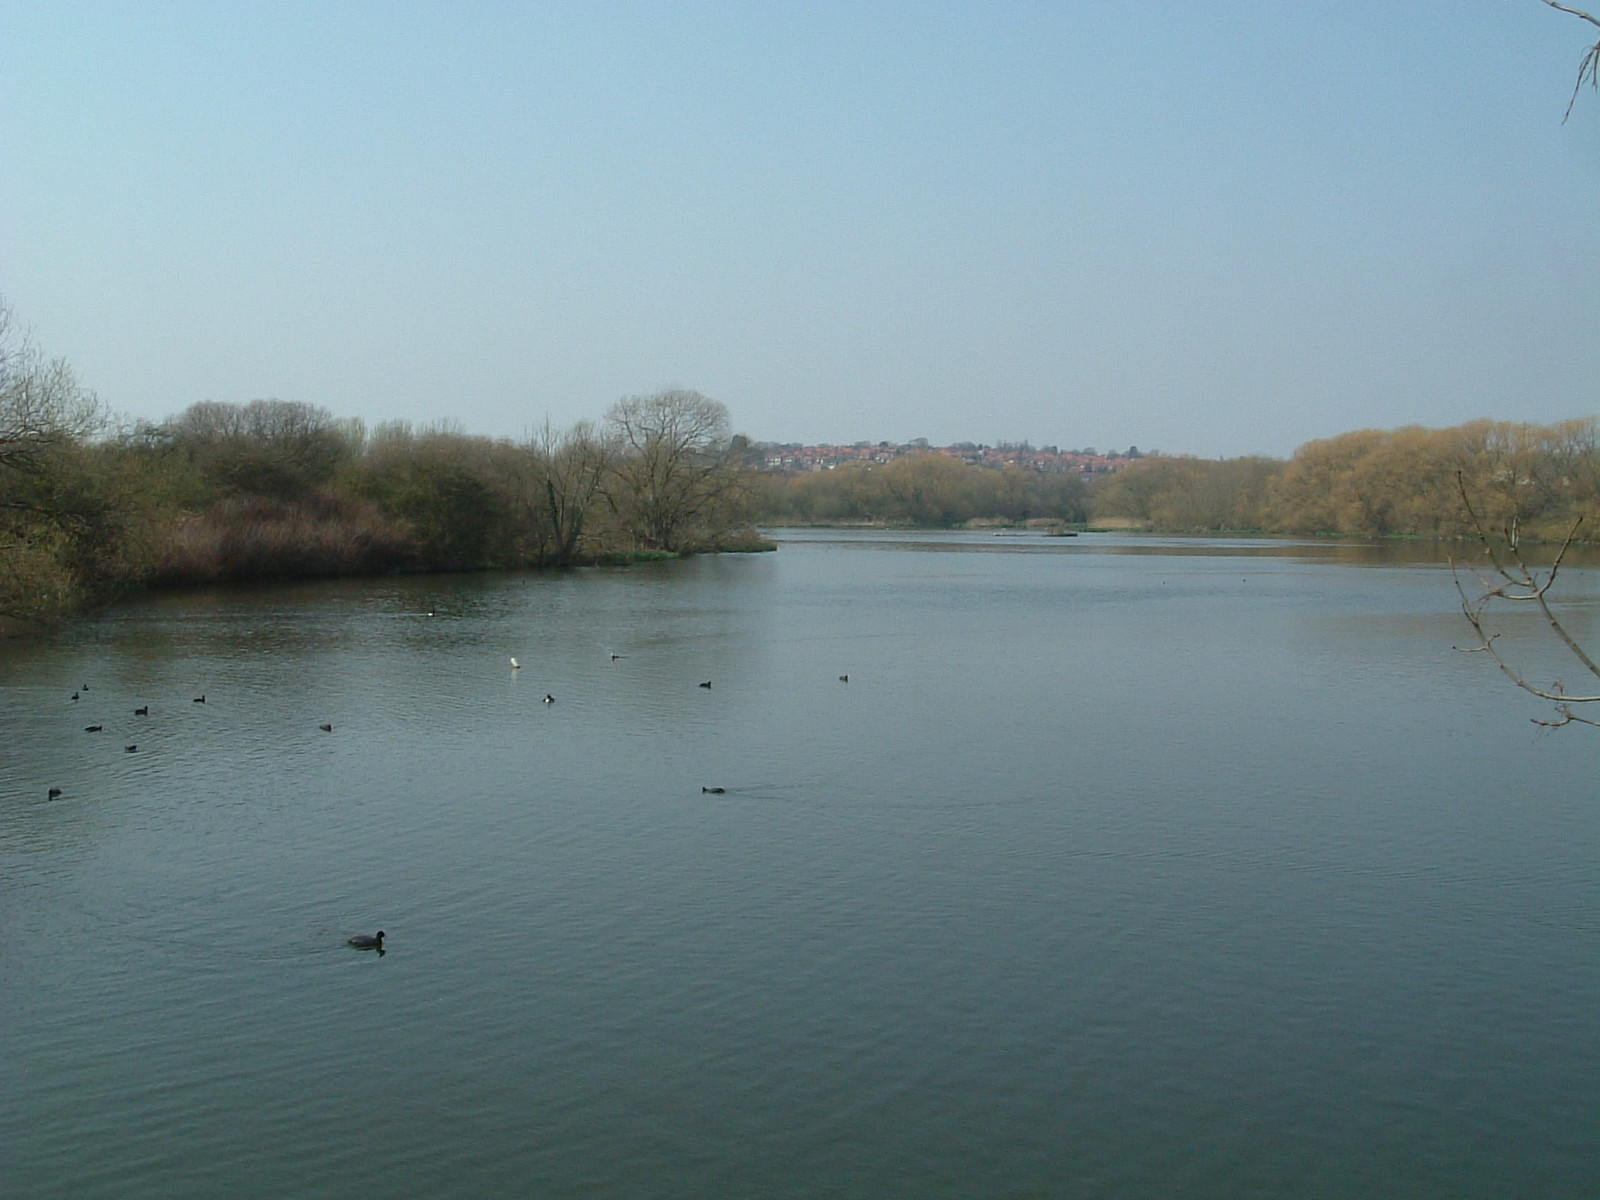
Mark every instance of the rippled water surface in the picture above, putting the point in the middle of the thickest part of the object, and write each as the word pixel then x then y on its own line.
pixel 1118 868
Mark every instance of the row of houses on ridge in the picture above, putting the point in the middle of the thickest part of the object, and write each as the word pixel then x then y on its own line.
pixel 794 457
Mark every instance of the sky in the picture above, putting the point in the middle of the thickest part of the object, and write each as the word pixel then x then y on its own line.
pixel 1215 229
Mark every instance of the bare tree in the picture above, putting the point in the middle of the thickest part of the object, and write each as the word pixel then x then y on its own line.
pixel 278 448
pixel 673 476
pixel 42 406
pixel 48 511
pixel 574 465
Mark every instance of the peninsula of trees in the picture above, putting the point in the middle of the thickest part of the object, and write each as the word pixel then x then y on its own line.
pixel 280 489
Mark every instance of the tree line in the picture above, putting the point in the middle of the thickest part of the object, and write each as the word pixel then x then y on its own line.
pixel 927 489
pixel 1409 482
pixel 1405 482
pixel 281 489
pixel 277 489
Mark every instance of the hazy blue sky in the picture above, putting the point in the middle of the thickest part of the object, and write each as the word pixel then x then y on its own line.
pixel 1213 228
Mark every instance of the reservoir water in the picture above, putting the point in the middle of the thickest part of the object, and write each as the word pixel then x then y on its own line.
pixel 1118 867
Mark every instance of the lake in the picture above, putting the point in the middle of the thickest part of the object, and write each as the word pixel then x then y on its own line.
pixel 1119 867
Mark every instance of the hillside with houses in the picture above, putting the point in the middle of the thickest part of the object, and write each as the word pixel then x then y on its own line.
pixel 1086 463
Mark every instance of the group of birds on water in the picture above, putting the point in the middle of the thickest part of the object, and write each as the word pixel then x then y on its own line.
pixel 550 699
pixel 375 941
pixel 360 941
pixel 143 710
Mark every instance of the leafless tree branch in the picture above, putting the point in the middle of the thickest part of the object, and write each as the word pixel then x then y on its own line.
pixel 1590 66
pixel 1519 582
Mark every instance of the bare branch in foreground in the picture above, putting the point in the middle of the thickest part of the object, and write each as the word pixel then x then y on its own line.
pixel 1519 582
pixel 1590 66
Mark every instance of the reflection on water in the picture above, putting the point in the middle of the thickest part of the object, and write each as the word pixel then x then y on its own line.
pixel 1119 867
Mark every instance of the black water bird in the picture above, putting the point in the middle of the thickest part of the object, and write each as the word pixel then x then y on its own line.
pixel 325 728
pixel 614 657
pixel 714 791
pixel 93 728
pixel 53 793
pixel 549 699
pixel 706 684
pixel 200 699
pixel 129 749
pixel 366 941
pixel 844 679
pixel 142 712
pixel 74 695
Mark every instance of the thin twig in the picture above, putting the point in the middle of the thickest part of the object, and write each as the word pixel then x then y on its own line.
pixel 1523 583
pixel 1590 65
